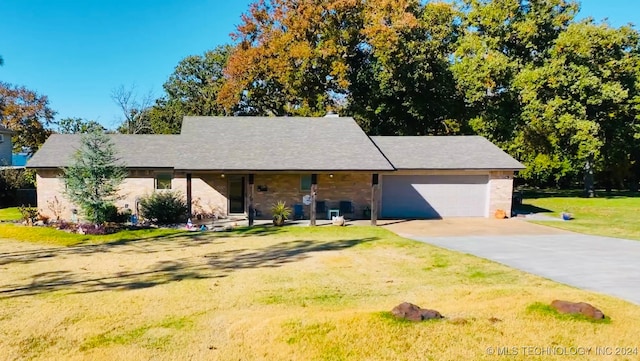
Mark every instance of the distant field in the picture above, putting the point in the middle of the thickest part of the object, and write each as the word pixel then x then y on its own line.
pixel 616 215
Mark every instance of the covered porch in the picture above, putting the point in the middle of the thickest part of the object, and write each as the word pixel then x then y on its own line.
pixel 311 196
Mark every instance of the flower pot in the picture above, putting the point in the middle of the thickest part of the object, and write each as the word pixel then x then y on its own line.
pixel 278 220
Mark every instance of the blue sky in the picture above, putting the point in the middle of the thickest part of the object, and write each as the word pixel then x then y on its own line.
pixel 77 52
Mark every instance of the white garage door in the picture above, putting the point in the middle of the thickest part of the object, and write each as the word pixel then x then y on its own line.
pixel 434 196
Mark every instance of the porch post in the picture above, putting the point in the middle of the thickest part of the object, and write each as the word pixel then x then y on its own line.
pixel 312 211
pixel 251 211
pixel 374 199
pixel 189 214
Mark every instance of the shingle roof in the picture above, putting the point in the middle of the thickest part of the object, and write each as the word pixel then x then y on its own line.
pixel 445 152
pixel 285 143
pixel 135 151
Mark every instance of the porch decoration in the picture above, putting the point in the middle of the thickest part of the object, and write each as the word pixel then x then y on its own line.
pixel 280 213
pixel 337 221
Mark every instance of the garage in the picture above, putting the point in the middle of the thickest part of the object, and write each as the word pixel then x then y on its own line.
pixel 434 196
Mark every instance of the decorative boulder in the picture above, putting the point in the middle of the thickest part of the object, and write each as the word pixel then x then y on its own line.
pixel 577 308
pixel 412 312
pixel 337 221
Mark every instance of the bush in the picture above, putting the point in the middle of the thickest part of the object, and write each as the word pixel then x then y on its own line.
pixel 113 215
pixel 164 207
pixel 29 214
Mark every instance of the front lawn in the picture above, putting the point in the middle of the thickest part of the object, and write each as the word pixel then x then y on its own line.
pixel 291 293
pixel 614 216
pixel 10 214
pixel 54 237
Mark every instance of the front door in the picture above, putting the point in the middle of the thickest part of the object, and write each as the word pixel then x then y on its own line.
pixel 236 194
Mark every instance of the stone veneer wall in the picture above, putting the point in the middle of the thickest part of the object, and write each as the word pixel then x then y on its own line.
pixel 500 191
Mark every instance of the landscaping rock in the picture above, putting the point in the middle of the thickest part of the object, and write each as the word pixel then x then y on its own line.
pixel 412 312
pixel 577 308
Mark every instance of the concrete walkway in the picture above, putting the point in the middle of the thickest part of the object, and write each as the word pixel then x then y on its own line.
pixel 601 264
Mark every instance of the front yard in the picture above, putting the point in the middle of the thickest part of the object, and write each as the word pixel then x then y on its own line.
pixel 614 215
pixel 291 293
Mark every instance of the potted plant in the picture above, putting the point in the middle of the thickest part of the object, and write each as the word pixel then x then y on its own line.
pixel 366 212
pixel 280 213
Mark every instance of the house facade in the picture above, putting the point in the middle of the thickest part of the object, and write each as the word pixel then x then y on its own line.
pixel 243 165
pixel 6 146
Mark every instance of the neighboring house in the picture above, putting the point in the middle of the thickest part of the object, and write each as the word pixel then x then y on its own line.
pixel 6 147
pixel 223 163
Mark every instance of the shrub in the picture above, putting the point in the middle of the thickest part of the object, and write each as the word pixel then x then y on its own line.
pixel 29 214
pixel 164 207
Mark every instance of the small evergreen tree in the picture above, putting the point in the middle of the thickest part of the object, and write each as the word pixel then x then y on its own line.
pixel 92 181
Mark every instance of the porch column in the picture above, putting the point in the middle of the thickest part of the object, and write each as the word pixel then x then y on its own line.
pixel 312 211
pixel 189 214
pixel 251 211
pixel 374 199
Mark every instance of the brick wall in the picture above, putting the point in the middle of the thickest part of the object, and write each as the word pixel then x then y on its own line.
pixel 50 186
pixel 210 191
pixel 354 187
pixel 500 191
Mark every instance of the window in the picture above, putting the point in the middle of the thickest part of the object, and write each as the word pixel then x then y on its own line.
pixel 1 138
pixel 305 182
pixel 163 181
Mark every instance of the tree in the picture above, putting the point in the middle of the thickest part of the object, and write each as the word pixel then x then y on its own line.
pixel 192 89
pixel 404 85
pixel 499 39
pixel 581 105
pixel 78 126
pixel 27 114
pixel 384 62
pixel 134 110
pixel 92 181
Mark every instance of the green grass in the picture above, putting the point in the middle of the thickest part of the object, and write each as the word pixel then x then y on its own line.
pixel 613 216
pixel 132 336
pixel 10 214
pixel 52 236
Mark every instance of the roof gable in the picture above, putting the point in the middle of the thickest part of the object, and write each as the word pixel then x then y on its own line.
pixel 282 143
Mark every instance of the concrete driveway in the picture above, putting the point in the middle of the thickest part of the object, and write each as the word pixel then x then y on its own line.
pixel 601 264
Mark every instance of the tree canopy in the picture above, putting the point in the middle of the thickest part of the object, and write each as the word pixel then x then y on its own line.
pixel 27 114
pixel 556 93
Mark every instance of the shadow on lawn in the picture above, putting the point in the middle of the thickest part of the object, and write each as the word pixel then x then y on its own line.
pixel 158 243
pixel 203 265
